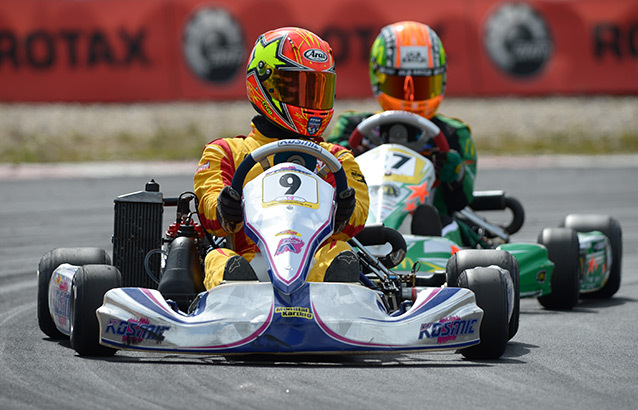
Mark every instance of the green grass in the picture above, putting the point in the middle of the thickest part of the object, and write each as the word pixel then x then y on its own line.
pixel 558 144
pixel 187 144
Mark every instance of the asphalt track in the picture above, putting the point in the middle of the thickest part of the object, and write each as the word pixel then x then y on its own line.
pixel 584 358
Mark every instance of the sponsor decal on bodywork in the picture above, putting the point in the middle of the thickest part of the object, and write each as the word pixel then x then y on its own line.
pixel 135 331
pixel 293 245
pixel 541 276
pixel 288 232
pixel 447 329
pixel 295 311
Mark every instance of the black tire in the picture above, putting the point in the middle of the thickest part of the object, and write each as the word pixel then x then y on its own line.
pixel 471 258
pixel 518 215
pixel 426 221
pixel 563 250
pixel 49 262
pixel 612 230
pixel 490 289
pixel 90 283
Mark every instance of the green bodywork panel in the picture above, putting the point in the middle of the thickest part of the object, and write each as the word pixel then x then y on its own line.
pixel 534 266
pixel 432 252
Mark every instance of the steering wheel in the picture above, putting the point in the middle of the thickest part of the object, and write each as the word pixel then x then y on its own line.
pixel 431 131
pixel 291 145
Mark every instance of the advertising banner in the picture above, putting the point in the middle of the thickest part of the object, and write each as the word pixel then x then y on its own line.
pixel 164 50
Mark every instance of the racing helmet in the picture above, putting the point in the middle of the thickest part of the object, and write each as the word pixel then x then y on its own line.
pixel 290 80
pixel 408 68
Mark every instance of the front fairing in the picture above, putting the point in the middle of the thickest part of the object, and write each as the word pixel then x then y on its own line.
pixel 317 318
pixel 289 212
pixel 399 179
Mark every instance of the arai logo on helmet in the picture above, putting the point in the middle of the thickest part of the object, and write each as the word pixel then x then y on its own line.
pixel 316 55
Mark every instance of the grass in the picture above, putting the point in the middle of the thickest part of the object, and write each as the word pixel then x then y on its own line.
pixel 48 133
pixel 559 144
pixel 187 144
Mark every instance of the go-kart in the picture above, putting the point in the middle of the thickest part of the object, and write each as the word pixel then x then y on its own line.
pixel 288 211
pixel 581 258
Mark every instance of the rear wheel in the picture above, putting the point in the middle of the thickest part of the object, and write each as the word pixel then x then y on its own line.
pixel 471 258
pixel 490 289
pixel 49 262
pixel 563 250
pixel 610 227
pixel 90 283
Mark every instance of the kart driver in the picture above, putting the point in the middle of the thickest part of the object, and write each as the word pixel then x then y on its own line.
pixel 408 72
pixel 290 81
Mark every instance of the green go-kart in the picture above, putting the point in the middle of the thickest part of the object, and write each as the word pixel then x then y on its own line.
pixel 580 258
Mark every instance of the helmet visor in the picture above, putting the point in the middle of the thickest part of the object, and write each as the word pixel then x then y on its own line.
pixel 308 89
pixel 420 87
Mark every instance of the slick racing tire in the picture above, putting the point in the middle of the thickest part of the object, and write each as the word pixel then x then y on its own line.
pixel 610 227
pixel 490 289
pixel 90 283
pixel 564 251
pixel 471 258
pixel 49 262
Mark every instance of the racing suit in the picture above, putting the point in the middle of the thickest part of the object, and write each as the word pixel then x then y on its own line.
pixel 217 165
pixel 449 197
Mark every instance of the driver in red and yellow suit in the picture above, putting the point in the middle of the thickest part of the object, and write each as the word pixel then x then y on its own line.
pixel 221 212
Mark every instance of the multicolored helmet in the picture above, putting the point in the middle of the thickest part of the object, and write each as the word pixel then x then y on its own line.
pixel 290 80
pixel 408 68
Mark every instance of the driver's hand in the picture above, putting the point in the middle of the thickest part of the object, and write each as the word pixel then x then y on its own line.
pixel 448 166
pixel 229 212
pixel 346 202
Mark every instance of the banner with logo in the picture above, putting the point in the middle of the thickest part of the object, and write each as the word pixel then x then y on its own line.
pixel 162 50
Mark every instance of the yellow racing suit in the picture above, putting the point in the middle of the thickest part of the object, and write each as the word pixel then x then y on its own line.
pixel 217 165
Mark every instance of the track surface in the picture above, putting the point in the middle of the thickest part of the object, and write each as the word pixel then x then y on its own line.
pixel 585 358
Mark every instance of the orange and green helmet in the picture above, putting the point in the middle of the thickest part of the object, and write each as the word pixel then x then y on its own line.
pixel 290 80
pixel 408 68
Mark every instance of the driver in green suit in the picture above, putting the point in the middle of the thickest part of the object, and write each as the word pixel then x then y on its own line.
pixel 408 72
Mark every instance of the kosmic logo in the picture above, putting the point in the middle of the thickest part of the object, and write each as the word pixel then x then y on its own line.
pixel 316 55
pixel 518 40
pixel 213 45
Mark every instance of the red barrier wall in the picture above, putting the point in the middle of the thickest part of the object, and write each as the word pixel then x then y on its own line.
pixel 159 50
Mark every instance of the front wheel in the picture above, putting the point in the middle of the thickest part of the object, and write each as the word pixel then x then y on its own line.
pixel 564 251
pixel 490 289
pixel 49 262
pixel 472 258
pixel 90 284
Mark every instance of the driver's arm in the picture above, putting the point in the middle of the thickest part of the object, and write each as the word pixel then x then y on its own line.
pixel 460 193
pixel 215 170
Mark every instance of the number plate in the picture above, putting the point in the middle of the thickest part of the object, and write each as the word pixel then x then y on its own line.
pixel 290 187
